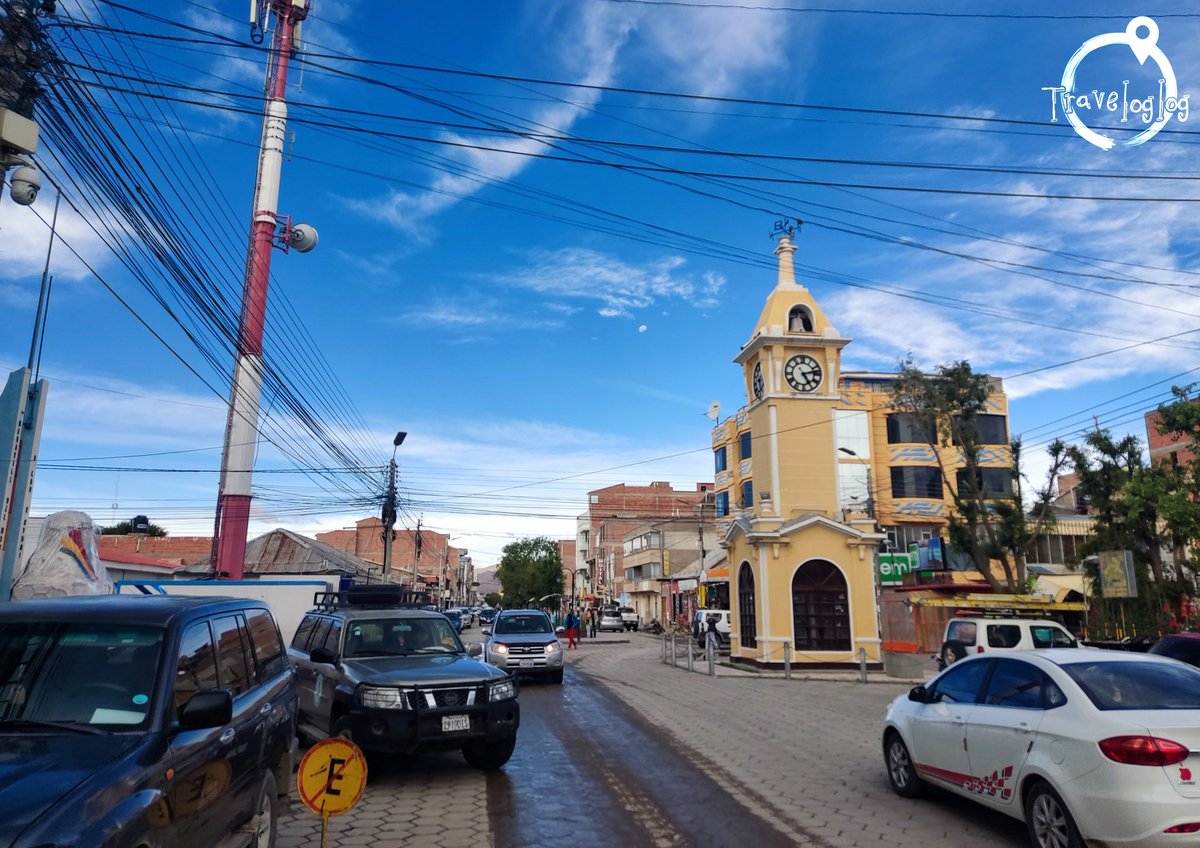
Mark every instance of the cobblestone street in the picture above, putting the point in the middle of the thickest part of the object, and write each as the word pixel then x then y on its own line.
pixel 801 755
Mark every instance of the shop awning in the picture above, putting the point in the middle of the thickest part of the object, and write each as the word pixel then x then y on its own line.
pixel 720 574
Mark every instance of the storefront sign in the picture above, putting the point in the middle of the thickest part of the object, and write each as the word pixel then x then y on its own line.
pixel 892 568
pixel 1116 574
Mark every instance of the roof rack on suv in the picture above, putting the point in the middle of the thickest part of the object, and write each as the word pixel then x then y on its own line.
pixel 381 596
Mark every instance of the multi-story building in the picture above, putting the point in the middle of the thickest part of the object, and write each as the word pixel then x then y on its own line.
pixel 616 510
pixel 814 473
pixel 653 556
pixel 424 555
pixel 566 553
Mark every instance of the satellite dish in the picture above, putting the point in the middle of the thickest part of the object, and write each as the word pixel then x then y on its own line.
pixel 714 410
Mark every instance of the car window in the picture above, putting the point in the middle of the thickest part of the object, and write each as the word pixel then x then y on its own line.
pixel 525 623
pixel 233 669
pixel 1045 636
pixel 96 674
pixel 1015 684
pixel 1184 649
pixel 1137 685
pixel 264 638
pixel 1003 635
pixel 197 666
pixel 333 637
pixel 961 631
pixel 303 632
pixel 383 637
pixel 961 683
pixel 320 631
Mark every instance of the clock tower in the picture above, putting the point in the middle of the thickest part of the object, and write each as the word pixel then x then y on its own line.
pixel 792 366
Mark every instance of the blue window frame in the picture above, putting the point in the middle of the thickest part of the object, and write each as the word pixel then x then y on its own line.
pixel 720 459
pixel 722 503
pixel 748 494
pixel 744 443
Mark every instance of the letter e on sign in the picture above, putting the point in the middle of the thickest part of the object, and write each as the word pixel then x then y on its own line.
pixel 332 776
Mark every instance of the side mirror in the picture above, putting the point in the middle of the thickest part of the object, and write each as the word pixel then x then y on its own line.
pixel 207 708
pixel 321 654
pixel 487 631
pixel 918 694
pixel 475 649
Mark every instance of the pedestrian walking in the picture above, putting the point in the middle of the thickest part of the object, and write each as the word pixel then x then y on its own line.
pixel 712 636
pixel 572 624
pixel 591 615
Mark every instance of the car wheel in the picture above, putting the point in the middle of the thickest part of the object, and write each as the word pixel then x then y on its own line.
pixel 953 650
pixel 344 729
pixel 266 825
pixel 635 627
pixel 901 772
pixel 556 676
pixel 1050 824
pixel 489 756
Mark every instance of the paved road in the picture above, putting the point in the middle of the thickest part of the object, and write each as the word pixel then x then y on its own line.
pixel 635 753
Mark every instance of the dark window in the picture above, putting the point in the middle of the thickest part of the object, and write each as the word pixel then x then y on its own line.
pixel 300 640
pixel 1051 637
pixel 961 631
pixel 722 503
pixel 268 647
pixel 747 616
pixel 992 482
pixel 748 494
pixel 1015 684
pixel 744 443
pixel 990 430
pixel 233 667
pixel 820 610
pixel 916 481
pixel 1138 685
pixel 333 639
pixel 1183 648
pixel 197 668
pixel 720 458
pixel 1003 635
pixel 961 683
pixel 799 320
pixel 905 427
pixel 319 634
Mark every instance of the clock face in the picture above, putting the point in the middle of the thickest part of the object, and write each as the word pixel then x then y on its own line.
pixel 803 373
pixel 756 381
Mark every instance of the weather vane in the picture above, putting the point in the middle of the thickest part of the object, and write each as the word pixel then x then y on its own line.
pixel 784 227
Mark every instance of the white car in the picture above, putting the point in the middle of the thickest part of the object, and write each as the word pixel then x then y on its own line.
pixel 1086 746
pixel 966 636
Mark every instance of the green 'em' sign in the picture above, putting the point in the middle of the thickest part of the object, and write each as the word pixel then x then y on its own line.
pixel 892 568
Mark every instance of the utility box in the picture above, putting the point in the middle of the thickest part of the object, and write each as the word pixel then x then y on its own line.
pixel 18 132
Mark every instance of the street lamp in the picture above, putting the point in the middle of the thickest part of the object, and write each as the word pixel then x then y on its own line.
pixel 870 493
pixel 389 508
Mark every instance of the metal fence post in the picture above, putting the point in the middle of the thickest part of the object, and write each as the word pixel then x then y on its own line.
pixel 862 665
pixel 662 645
pixel 787 660
pixel 674 653
pixel 691 652
pixel 712 659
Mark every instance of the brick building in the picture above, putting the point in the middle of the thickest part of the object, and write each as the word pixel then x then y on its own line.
pixel 440 566
pixel 1166 446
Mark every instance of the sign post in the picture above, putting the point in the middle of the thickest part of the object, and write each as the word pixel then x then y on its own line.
pixel 331 779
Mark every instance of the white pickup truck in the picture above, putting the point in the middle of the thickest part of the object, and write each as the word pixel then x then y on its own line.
pixel 630 617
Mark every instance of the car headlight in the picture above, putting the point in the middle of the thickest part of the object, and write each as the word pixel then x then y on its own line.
pixel 551 647
pixel 383 698
pixel 502 691
pixel 498 648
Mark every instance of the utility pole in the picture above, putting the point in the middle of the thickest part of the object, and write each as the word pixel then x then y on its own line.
pixel 267 230
pixel 389 509
pixel 23 49
pixel 417 557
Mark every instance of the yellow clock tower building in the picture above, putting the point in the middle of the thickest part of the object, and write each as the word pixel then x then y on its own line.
pixel 801 576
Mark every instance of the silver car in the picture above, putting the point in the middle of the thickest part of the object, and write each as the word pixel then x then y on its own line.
pixel 523 642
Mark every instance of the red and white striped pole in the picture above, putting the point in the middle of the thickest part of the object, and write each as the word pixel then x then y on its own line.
pixel 241 429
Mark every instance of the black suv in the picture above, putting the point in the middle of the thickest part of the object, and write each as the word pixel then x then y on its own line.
pixel 398 679
pixel 143 721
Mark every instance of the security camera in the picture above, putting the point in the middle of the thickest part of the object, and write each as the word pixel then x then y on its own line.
pixel 302 238
pixel 24 184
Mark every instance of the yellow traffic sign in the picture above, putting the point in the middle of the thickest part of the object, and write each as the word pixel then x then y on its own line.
pixel 332 776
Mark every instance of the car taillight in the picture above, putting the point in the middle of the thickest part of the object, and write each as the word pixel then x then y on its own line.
pixel 1190 827
pixel 1143 750
pixel 979 650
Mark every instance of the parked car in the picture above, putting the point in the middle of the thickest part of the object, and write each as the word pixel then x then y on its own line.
pixel 965 636
pixel 610 619
pixel 1179 646
pixel 524 642
pixel 1086 746
pixel 455 618
pixel 134 720
pixel 486 615
pixel 700 624
pixel 630 618
pixel 468 617
pixel 400 680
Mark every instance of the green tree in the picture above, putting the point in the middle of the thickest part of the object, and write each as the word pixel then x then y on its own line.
pixel 491 598
pixel 124 528
pixel 986 525
pixel 530 569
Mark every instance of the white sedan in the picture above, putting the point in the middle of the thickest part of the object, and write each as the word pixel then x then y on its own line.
pixel 1085 746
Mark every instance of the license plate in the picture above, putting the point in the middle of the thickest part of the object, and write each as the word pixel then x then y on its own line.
pixel 453 723
pixel 526 663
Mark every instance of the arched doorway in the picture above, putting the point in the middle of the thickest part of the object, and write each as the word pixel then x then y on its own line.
pixel 820 608
pixel 747 617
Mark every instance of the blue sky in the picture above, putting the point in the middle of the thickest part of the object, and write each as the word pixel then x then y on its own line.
pixel 486 301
